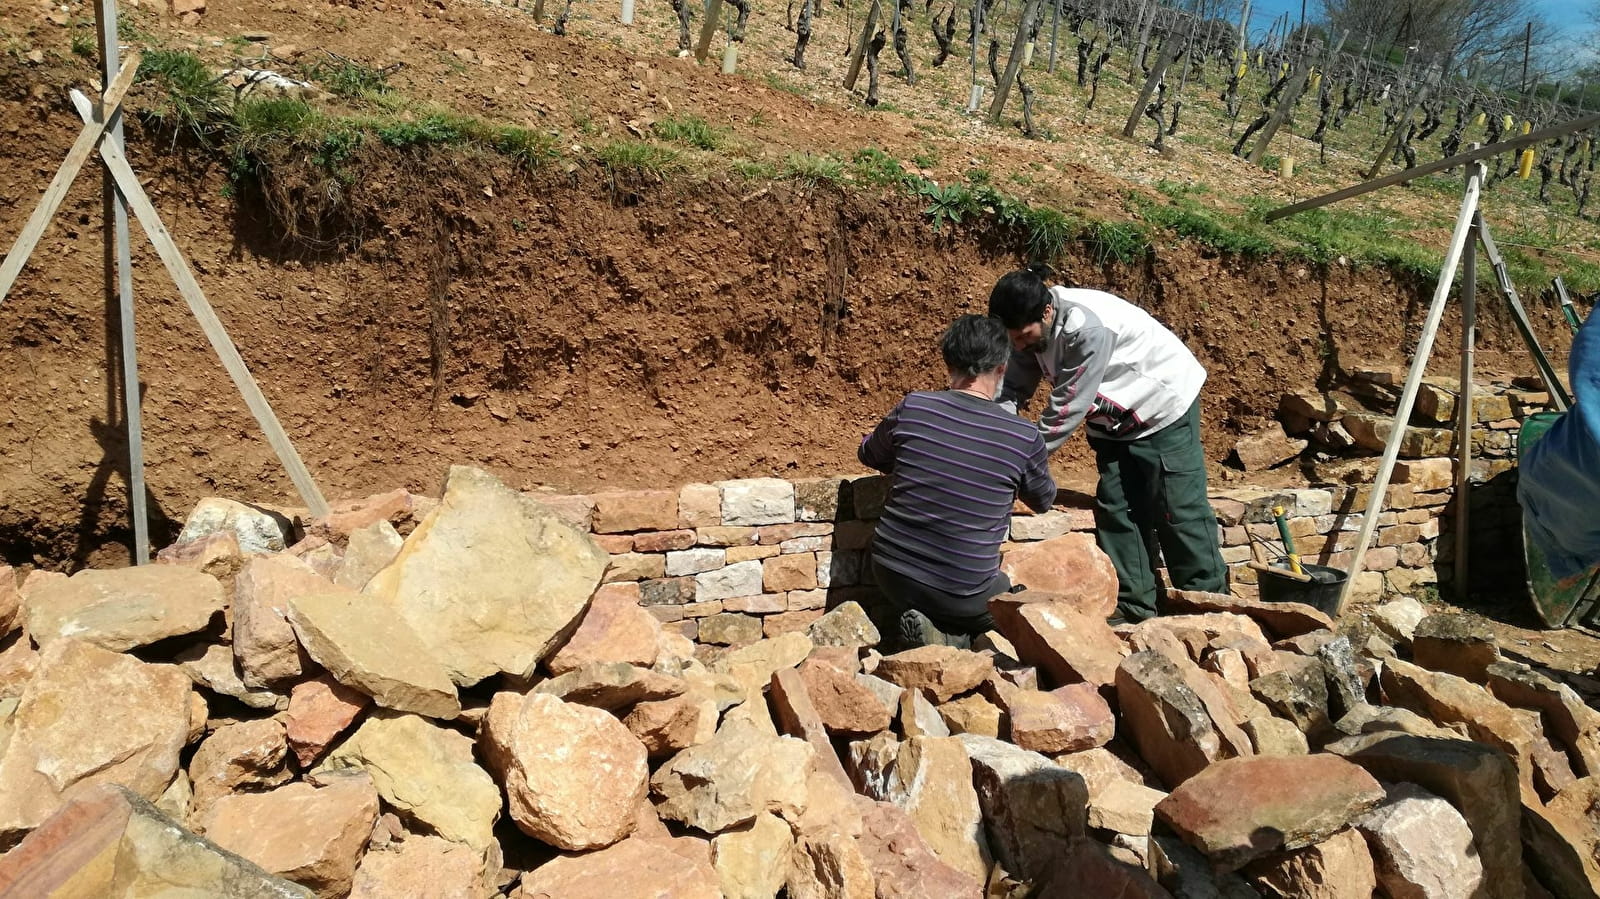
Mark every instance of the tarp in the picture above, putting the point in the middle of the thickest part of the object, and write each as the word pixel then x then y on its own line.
pixel 1559 477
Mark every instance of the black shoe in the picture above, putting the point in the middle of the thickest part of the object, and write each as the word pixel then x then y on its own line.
pixel 1117 620
pixel 917 629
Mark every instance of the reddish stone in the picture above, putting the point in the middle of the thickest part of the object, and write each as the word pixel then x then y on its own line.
pixel 943 671
pixel 798 717
pixel 635 510
pixel 845 705
pixel 1339 867
pixel 1239 810
pixel 903 865
pixel 1282 619
pixel 789 622
pixel 663 541
pixel 613 629
pixel 319 711
pixel 781 574
pixel 1069 566
pixel 1060 636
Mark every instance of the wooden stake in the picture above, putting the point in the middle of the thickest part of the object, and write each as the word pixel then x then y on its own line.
pixel 119 269
pixel 1408 398
pixel 713 15
pixel 860 52
pixel 1464 416
pixel 1003 89
pixel 627 12
pixel 57 191
pixel 178 268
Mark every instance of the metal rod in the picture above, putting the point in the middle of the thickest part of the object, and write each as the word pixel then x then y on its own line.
pixel 120 268
pixel 1505 146
pixel 183 278
pixel 1408 398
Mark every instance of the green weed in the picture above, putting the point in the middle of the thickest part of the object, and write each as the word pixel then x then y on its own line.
pixel 83 44
pixel 812 169
pixel 690 130
pixel 755 169
pixel 637 158
pixel 345 77
pixel 1122 242
pixel 950 204
pixel 192 98
pixel 874 167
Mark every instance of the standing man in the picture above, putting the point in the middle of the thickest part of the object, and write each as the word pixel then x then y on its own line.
pixel 958 463
pixel 1135 385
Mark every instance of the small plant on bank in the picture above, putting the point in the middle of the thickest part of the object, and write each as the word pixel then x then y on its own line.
pixel 83 44
pixel 813 170
pixel 637 158
pixel 350 79
pixel 1121 242
pixel 191 98
pixel 949 204
pixel 690 130
pixel 874 167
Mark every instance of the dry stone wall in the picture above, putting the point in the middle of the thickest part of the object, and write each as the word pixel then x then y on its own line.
pixel 731 562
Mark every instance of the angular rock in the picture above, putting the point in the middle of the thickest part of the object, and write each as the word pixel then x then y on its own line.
pixel 1339 867
pixel 797 716
pixel 931 779
pixel 249 754
pixel 1299 693
pixel 1448 699
pixel 1124 807
pixel 212 665
pixel 364 645
pixel 846 625
pixel 1275 736
pixel 369 551
pixel 10 602
pixel 1069 719
pixel 1455 644
pixel 120 609
pixel 1070 641
pixel 258 530
pixel 611 685
pixel 90 716
pixel 943 671
pixel 1281 619
pixel 1170 726
pixel 753 666
pixel 1562 840
pixel 264 644
pixel 1188 875
pixel 1239 810
pixel 829 864
pixel 319 711
pixel 757 501
pixel 1390 719
pixel 729 780
pixel 424 867
pixel 575 777
pixel 109 842
pixel 427 773
pixel 752 861
pixel 668 726
pixel 490 579
pixel 1267 448
pixel 902 864
pixel 1031 806
pixel 1399 617
pixel 919 717
pixel 845 705
pixel 1566 716
pixel 312 835
pixel 675 871
pixel 971 715
pixel 1088 868
pixel 1421 846
pixel 1071 565
pixel 1478 780
pixel 1347 685
pixel 614 629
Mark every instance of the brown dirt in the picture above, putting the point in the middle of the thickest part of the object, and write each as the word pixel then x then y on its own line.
pixel 559 329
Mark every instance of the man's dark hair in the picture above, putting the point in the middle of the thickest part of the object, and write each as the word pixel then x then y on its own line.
pixel 975 345
pixel 1019 298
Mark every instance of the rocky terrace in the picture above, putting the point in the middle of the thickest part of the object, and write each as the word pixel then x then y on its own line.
pixel 497 693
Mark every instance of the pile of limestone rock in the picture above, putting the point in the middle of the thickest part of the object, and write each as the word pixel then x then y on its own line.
pixel 431 698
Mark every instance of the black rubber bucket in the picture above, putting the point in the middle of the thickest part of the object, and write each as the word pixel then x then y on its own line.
pixel 1321 592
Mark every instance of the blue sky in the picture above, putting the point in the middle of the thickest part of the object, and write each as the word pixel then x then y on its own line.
pixel 1570 17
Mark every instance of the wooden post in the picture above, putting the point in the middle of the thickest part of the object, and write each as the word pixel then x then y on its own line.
pixel 1464 416
pixel 178 268
pixel 119 270
pixel 860 52
pixel 50 201
pixel 1003 89
pixel 1408 397
pixel 713 15
pixel 1169 52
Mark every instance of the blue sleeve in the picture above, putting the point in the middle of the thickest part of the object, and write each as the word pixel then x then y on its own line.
pixel 1559 477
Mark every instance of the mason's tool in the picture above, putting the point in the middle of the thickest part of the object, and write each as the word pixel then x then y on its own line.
pixel 1288 541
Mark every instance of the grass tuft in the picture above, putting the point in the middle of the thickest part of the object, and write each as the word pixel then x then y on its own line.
pixel 813 170
pixel 192 99
pixel 637 158
pixel 690 130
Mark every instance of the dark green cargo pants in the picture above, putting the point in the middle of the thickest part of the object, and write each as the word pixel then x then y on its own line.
pixel 1153 494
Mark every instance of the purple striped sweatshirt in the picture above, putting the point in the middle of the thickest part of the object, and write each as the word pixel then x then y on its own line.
pixel 958 462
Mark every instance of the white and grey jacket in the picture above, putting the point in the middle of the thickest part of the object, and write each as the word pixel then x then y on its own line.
pixel 1110 365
